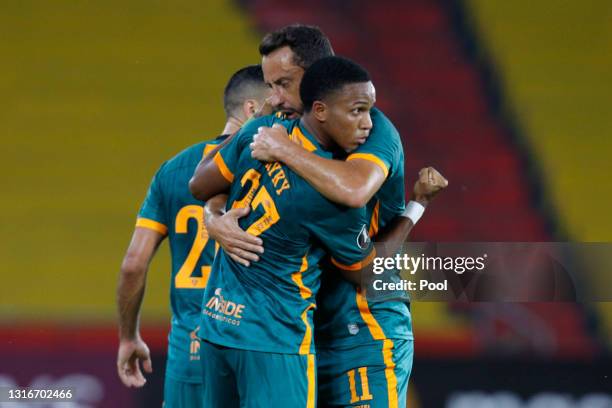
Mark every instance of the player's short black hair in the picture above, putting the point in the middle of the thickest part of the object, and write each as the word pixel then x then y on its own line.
pixel 246 83
pixel 328 75
pixel 308 43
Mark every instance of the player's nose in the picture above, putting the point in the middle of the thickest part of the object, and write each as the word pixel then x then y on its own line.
pixel 274 99
pixel 366 122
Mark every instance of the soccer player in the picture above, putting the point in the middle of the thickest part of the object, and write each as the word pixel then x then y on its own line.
pixel 257 321
pixel 365 350
pixel 169 210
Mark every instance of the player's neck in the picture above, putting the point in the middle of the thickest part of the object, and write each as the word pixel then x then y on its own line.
pixel 313 127
pixel 232 126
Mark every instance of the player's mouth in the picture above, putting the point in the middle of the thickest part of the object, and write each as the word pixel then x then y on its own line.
pixel 291 114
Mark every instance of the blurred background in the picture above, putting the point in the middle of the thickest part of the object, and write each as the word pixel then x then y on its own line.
pixel 508 99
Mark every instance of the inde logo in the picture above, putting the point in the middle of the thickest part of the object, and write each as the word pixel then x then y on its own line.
pixel 224 310
pixel 194 346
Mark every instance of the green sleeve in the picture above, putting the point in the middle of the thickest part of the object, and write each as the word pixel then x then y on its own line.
pixel 383 146
pixel 228 157
pixel 153 214
pixel 343 232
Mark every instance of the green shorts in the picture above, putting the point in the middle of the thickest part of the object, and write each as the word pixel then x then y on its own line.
pixel 368 376
pixel 253 379
pixel 180 394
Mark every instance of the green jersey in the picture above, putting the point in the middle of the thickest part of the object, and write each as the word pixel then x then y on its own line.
pixel 170 209
pixel 269 306
pixel 345 317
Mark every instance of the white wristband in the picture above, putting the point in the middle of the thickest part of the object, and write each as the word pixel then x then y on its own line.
pixel 414 211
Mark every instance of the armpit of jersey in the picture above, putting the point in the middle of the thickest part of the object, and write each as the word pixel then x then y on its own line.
pixel 152 224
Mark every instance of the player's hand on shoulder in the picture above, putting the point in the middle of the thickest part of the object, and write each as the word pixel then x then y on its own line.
pixel 241 246
pixel 131 354
pixel 429 184
pixel 269 143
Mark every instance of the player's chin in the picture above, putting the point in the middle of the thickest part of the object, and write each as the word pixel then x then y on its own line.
pixel 351 147
pixel 359 141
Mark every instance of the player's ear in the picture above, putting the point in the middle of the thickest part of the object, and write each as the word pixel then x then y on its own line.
pixel 319 110
pixel 249 107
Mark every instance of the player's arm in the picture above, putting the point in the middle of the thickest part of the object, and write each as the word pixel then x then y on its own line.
pixel 130 291
pixel 211 177
pixel 199 184
pixel 343 234
pixel 352 182
pixel 428 185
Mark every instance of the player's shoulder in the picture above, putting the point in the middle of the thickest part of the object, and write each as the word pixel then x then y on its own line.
pixel 382 125
pixel 187 155
pixel 245 135
pixel 190 156
pixel 383 146
pixel 252 126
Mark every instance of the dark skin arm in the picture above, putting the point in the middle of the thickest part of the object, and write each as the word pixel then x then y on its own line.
pixel 208 184
pixel 207 181
pixel 130 291
pixel 199 185
pixel 352 183
pixel 395 233
pixel 429 184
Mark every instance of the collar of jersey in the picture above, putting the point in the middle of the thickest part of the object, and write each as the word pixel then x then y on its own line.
pixel 301 136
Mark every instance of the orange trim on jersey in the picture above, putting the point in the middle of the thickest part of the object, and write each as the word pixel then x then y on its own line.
pixel 390 373
pixel 305 291
pixel 374 220
pixel 370 157
pixel 310 375
pixel 307 340
pixel 152 225
pixel 298 137
pixel 357 265
pixel 225 171
pixel 208 148
pixel 377 334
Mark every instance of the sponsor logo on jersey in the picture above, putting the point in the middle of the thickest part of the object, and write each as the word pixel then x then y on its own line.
pixel 194 347
pixel 218 308
pixel 353 328
pixel 363 239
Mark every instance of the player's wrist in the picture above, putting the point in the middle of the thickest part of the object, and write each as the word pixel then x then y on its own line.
pixel 284 152
pixel 212 214
pixel 129 335
pixel 421 199
pixel 414 210
pixel 215 208
pixel 131 339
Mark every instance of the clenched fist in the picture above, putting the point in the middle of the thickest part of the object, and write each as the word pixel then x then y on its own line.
pixel 430 183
